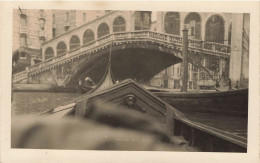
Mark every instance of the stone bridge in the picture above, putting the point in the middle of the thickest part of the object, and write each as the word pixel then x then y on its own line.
pixel 81 52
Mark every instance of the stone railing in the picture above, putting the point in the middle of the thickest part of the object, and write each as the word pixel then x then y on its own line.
pixel 20 76
pixel 207 47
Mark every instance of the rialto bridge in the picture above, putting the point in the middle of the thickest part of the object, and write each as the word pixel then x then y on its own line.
pixel 138 48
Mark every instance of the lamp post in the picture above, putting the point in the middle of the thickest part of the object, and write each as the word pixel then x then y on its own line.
pixel 185 43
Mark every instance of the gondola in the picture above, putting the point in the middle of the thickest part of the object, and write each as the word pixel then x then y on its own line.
pixel 169 108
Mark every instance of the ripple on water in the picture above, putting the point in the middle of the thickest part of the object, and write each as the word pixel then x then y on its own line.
pixel 36 102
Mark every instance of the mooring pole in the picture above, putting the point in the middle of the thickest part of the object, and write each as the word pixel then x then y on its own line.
pixel 185 43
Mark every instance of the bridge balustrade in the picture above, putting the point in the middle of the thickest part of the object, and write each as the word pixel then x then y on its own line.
pixel 175 39
pixel 139 34
pixel 105 39
pixel 123 35
pixel 217 47
pixel 196 43
pixel 167 38
pixel 20 75
pixel 159 36
pixel 90 44
pixel 222 48
pixel 74 49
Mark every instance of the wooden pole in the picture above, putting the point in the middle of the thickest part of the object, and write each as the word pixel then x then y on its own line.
pixel 185 43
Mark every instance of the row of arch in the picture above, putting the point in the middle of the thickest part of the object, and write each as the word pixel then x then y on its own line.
pixel 214 30
pixel 214 27
pixel 119 25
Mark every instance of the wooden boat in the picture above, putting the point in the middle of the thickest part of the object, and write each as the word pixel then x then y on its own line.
pixel 169 109
pixel 233 102
pixel 85 89
pixel 200 135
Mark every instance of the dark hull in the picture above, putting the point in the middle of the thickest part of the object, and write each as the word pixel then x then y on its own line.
pixel 206 132
pixel 234 102
pixel 84 89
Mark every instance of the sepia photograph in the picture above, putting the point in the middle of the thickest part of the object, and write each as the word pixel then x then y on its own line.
pixel 130 80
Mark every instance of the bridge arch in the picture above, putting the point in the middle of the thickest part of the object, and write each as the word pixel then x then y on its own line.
pixel 215 29
pixel 119 24
pixel 136 57
pixel 172 23
pixel 74 42
pixel 61 48
pixel 102 30
pixel 88 36
pixel 49 53
pixel 223 16
pixel 193 22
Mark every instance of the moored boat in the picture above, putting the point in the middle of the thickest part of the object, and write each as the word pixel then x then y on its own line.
pixel 168 108
pixel 232 102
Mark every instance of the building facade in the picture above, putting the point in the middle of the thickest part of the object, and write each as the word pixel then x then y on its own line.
pixel 30 29
pixel 33 27
pixel 207 27
pixel 65 20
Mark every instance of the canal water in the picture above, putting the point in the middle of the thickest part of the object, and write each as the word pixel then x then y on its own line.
pixel 29 103
pixel 25 103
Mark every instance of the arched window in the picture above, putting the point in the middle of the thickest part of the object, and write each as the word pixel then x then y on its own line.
pixel 61 48
pixel 67 16
pixel 23 20
pixel 172 23
pixel 142 20
pixel 193 23
pixel 119 25
pixel 23 40
pixel 53 19
pixel 88 36
pixel 84 17
pixel 49 53
pixel 215 29
pixel 229 34
pixel 23 54
pixel 42 24
pixel 103 29
pixel 74 42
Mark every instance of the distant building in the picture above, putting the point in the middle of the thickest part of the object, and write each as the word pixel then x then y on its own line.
pixel 33 27
pixel 65 20
pixel 207 27
pixel 30 29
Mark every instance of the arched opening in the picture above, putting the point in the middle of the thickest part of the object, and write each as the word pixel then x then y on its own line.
pixel 119 25
pixel 74 42
pixel 142 20
pixel 172 23
pixel 103 29
pixel 24 55
pixel 193 23
pixel 49 53
pixel 21 60
pixel 61 49
pixel 88 36
pixel 215 29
